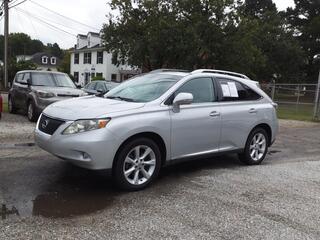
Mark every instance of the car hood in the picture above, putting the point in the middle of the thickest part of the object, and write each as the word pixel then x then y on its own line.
pixel 61 91
pixel 88 107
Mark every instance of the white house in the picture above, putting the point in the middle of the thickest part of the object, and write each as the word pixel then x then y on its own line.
pixel 89 59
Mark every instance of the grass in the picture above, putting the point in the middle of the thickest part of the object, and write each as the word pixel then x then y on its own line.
pixel 295 112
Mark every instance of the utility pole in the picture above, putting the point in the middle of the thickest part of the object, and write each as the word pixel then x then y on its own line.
pixel 6 35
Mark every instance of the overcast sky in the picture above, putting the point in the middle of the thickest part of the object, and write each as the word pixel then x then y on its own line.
pixel 27 18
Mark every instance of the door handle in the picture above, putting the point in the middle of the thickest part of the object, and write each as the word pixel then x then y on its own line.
pixel 214 114
pixel 253 110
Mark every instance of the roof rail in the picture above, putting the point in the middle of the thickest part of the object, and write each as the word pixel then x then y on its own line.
pixel 234 74
pixel 168 70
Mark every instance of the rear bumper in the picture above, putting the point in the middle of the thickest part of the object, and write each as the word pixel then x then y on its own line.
pixel 92 150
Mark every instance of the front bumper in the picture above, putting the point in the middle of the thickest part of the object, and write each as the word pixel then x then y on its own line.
pixel 92 150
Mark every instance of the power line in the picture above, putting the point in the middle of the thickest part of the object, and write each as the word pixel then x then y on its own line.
pixel 63 15
pixel 49 20
pixel 12 6
pixel 46 23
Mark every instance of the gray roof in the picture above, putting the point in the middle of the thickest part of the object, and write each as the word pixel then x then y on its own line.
pixel 37 59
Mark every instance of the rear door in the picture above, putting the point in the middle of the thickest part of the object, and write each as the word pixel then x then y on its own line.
pixel 195 129
pixel 239 113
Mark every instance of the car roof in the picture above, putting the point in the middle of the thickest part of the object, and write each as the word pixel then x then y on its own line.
pixel 39 71
pixel 212 72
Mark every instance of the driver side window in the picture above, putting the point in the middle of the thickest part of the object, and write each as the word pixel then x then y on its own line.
pixel 202 90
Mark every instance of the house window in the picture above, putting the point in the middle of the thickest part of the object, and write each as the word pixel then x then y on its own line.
pixel 76 58
pixel 99 57
pixel 87 58
pixel 99 75
pixel 53 61
pixel 76 76
pixel 113 77
pixel 44 60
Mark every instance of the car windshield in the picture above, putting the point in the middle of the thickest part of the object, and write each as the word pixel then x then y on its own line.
pixel 63 80
pixel 43 79
pixel 51 80
pixel 144 88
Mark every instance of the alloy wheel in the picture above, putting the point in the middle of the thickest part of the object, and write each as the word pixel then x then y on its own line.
pixel 30 111
pixel 258 146
pixel 139 165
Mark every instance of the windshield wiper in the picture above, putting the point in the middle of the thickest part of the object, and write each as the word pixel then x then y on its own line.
pixel 121 98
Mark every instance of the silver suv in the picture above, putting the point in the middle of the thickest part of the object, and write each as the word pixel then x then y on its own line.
pixel 32 91
pixel 157 118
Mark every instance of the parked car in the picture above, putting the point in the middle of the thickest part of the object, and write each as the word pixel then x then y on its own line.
pixel 158 118
pixel 99 87
pixel 33 91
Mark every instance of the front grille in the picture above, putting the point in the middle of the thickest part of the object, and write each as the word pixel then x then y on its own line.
pixel 49 125
pixel 68 95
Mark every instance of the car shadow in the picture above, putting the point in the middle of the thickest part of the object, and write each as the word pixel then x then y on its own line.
pixel 78 191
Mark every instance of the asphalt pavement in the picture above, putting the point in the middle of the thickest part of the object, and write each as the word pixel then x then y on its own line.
pixel 43 197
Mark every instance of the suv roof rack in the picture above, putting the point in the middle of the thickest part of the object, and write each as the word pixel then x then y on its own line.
pixel 234 74
pixel 169 70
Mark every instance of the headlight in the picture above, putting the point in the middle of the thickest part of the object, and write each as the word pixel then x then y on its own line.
pixel 85 125
pixel 44 94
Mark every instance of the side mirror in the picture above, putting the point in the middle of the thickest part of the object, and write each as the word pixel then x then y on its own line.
pixel 181 99
pixel 29 82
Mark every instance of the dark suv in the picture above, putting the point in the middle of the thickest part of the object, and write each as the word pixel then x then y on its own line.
pixel 33 91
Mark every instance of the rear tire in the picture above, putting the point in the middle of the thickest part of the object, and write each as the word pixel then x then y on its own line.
pixel 11 107
pixel 137 164
pixel 256 147
pixel 32 112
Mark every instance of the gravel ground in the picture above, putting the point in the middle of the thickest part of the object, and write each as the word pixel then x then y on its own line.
pixel 15 128
pixel 216 198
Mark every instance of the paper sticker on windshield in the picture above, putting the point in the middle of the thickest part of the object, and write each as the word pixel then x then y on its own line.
pixel 225 90
pixel 233 89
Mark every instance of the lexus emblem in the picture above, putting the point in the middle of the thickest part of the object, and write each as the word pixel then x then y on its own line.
pixel 44 124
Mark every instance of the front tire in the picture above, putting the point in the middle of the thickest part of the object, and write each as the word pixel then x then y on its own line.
pixel 256 147
pixel 137 164
pixel 31 112
pixel 11 107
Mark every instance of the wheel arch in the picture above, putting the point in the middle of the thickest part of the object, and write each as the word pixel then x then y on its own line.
pixel 267 128
pixel 151 135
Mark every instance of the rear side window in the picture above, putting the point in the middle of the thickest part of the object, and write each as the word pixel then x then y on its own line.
pixel 201 88
pixel 235 91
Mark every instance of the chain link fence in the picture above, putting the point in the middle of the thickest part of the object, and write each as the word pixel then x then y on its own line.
pixel 295 101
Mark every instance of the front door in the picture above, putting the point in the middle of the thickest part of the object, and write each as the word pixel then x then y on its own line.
pixel 195 129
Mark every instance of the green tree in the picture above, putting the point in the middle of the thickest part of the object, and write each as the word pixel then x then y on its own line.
pixel 15 67
pixel 282 55
pixel 65 63
pixel 249 37
pixel 55 50
pixel 304 20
